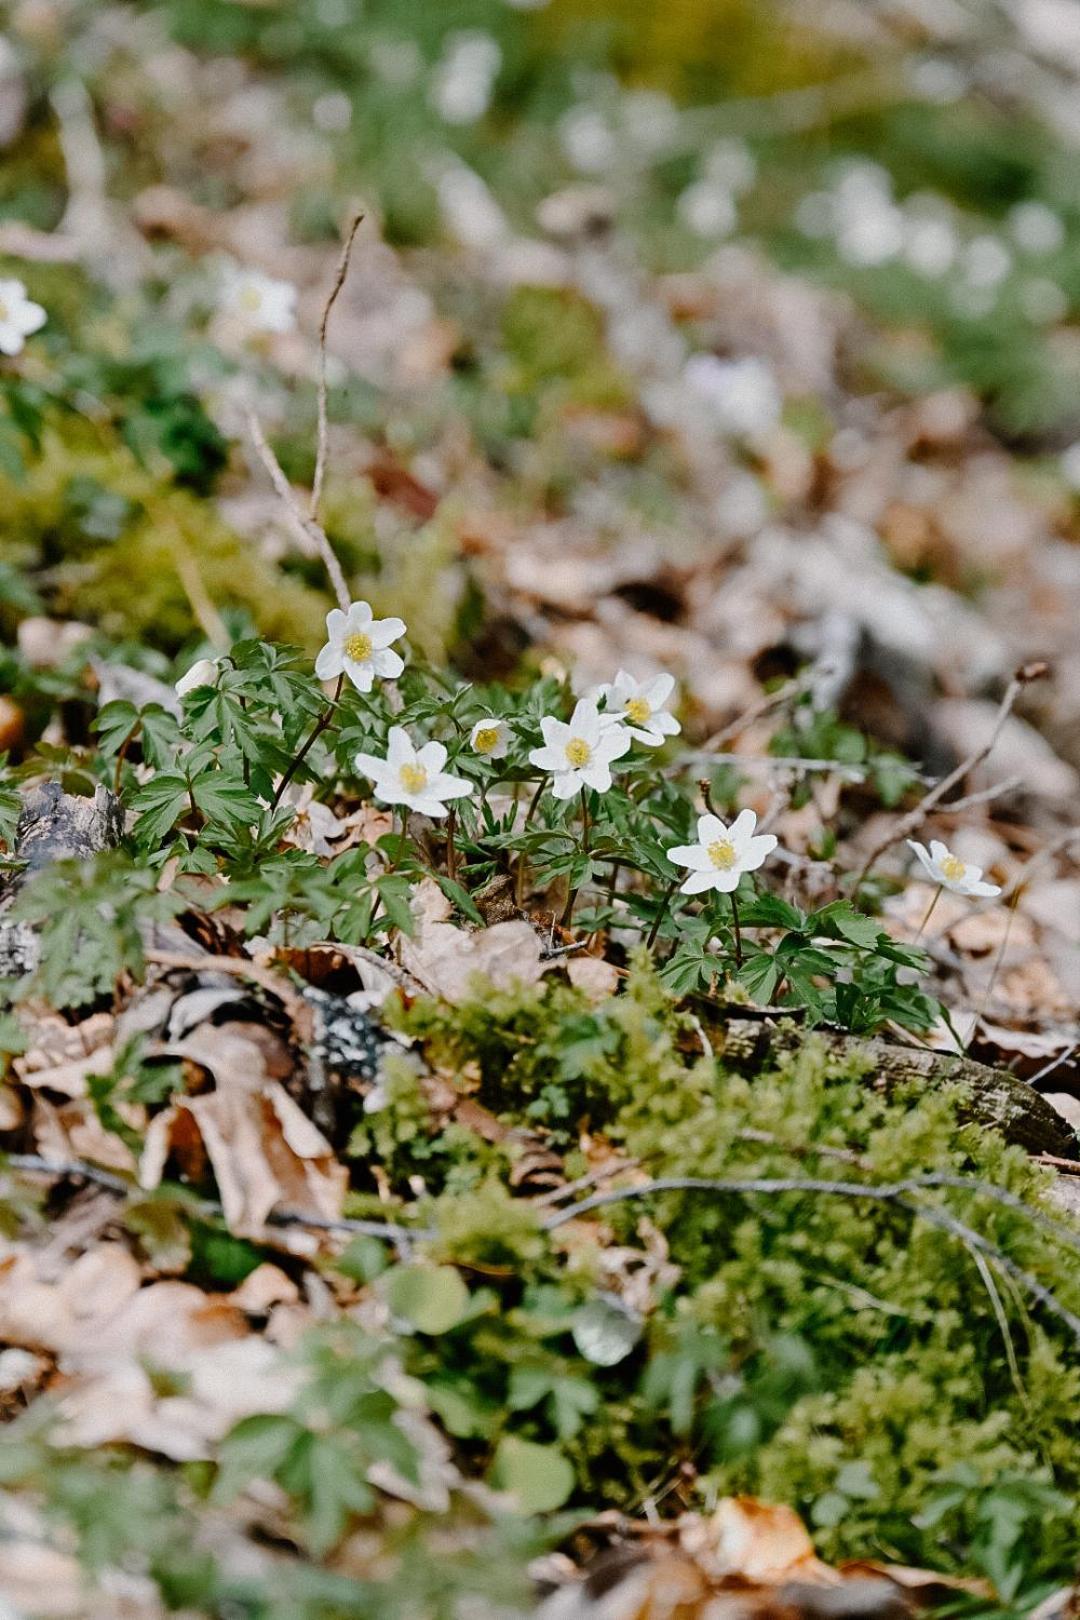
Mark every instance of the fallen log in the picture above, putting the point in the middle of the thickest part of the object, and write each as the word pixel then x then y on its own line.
pixel 993 1096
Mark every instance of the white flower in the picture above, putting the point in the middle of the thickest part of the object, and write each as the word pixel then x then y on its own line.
pixel 722 854
pixel 359 647
pixel 580 754
pixel 741 396
pixel 19 316
pixel 203 672
pixel 490 737
pixel 464 79
pixel 413 776
pixel 257 301
pixel 950 872
pixel 640 706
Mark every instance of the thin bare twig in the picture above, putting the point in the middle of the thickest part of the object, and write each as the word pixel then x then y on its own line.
pixel 914 819
pixel 307 531
pixel 34 1164
pixel 321 452
pixel 903 1192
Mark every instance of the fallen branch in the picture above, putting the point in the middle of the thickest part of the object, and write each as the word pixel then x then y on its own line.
pixel 995 1097
pixel 321 452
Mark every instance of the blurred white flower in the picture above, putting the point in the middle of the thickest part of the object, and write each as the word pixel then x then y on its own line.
pixel 871 236
pixel 1035 228
pixel 722 854
pixel 950 872
pixel 580 753
pixel 731 164
pixel 19 316
pixel 986 261
pixel 490 737
pixel 651 120
pixel 930 245
pixel 469 209
pixel 1069 463
pixel 256 301
pixel 358 646
pixel 588 140
pixel 640 706
pixel 203 672
pixel 413 776
pixel 741 396
pixel 332 112
pixel 707 209
pixel 463 81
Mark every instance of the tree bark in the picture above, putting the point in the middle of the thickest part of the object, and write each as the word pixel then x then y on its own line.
pixel 993 1096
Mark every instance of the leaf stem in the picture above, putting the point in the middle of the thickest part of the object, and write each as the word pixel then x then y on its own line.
pixel 661 913
pixel 316 731
pixel 736 928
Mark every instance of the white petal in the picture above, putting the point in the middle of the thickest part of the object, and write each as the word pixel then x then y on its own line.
pixel 585 721
pixel 384 631
pixel 938 851
pixel 371 765
pixel 727 879
pixel 742 828
pixel 692 855
pixel 651 739
pixel 450 787
pixel 361 675
pixel 336 622
pixel 387 664
pixel 359 617
pixel 432 756
pixel 547 759
pixel 399 748
pixel 658 690
pixel 555 732
pixel 984 891
pixel 612 743
pixel 565 784
pixel 597 776
pixel 330 662
pixel 698 882
pixel 709 829
pixel 757 850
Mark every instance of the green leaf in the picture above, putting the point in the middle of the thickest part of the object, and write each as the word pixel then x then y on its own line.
pixel 539 1478
pixel 433 1298
pixel 226 798
pixel 759 975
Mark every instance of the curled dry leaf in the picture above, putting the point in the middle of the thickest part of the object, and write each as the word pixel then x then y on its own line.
pixel 264 1151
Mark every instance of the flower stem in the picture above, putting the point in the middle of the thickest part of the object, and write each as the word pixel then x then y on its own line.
pixel 316 731
pixel 661 913
pixel 736 928
pixel 523 865
pixel 585 823
pixel 451 852
pixel 938 892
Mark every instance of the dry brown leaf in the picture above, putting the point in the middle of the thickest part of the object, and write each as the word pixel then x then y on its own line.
pixel 447 960
pixel 760 1542
pixel 265 1152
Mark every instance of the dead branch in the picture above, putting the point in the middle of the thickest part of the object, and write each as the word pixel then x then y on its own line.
pixel 339 282
pixel 308 532
pixel 914 819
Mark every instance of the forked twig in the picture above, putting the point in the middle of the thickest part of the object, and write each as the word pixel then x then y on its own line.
pixel 915 818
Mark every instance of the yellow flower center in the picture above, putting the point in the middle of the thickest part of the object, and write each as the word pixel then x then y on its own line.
pixel 251 299
pixel 486 739
pixel 952 868
pixel 638 710
pixel 578 752
pixel 5 313
pixel 413 778
pixel 357 648
pixel 722 854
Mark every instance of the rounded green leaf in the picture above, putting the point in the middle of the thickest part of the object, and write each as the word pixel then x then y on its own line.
pixel 538 1477
pixel 433 1298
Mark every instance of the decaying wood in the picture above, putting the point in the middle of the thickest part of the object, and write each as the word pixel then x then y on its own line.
pixel 994 1096
pixel 53 826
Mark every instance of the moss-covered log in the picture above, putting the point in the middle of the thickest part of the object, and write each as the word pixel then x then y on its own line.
pixel 995 1097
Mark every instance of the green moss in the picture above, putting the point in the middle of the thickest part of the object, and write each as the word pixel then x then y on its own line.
pixel 838 1353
